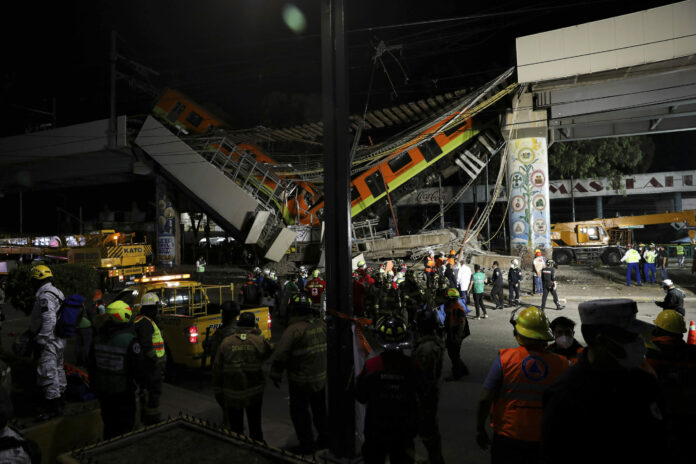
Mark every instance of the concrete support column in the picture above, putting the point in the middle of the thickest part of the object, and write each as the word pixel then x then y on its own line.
pixel 167 225
pixel 677 201
pixel 600 207
pixel 528 177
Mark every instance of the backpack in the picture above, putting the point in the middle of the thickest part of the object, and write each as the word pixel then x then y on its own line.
pixel 30 447
pixel 69 313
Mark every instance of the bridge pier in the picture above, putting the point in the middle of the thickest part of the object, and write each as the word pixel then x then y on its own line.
pixel 167 225
pixel 527 177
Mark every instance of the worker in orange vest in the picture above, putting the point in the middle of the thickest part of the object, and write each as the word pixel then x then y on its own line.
pixel 430 269
pixel 512 392
pixel 452 258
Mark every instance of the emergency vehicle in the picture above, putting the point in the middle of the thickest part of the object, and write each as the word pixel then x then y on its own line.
pixel 190 314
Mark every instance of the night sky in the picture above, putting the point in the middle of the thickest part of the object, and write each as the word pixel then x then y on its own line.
pixel 242 60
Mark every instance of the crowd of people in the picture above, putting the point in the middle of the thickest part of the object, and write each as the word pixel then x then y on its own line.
pixel 539 397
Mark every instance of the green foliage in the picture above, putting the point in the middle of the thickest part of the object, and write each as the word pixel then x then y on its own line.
pixel 68 278
pixel 609 157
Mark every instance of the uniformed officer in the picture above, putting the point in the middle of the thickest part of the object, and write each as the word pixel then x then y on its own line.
pixel 154 358
pixel 229 314
pixel 302 352
pixel 115 364
pixel 514 279
pixel 392 386
pixel 238 379
pixel 429 350
pixel 674 362
pixel 632 257
pixel 650 271
pixel 50 375
pixel 548 282
pixel 512 392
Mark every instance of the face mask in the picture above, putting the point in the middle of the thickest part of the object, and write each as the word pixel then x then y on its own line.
pixel 564 341
pixel 635 353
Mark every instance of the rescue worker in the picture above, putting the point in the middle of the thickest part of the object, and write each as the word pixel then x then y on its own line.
pixel 514 279
pixel 429 350
pixel 238 378
pixel 512 392
pixel 497 282
pixel 315 288
pixel 301 280
pixel 374 297
pixel 302 352
pixel 456 330
pixel 50 375
pixel 440 261
pixel 250 293
pixel 477 286
pixel 84 330
pixel 430 269
pixel 632 257
pixel 674 363
pixel 115 364
pixel 606 394
pixel 548 282
pixel 680 255
pixel 392 386
pixel 674 298
pixel 154 358
pixel 452 258
pixel 200 268
pixel 412 296
pixel 565 344
pixel 649 268
pixel 538 265
pixel 229 313
pixel 269 291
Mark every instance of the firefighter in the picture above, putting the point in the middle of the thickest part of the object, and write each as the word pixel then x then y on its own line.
pixel 154 358
pixel 229 313
pixel 429 350
pixel 674 362
pixel 412 296
pixel 512 392
pixel 430 269
pixel 456 330
pixel 50 375
pixel 392 386
pixel 238 379
pixel 302 352
pixel 250 293
pixel 115 364
pixel 301 280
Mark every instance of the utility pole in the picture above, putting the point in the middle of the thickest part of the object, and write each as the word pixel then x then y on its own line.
pixel 340 369
pixel 572 196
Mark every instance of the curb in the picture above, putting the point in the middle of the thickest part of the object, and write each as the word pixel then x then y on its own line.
pixel 640 299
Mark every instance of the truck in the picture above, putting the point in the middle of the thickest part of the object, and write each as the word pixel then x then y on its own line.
pixel 117 256
pixel 190 314
pixel 606 239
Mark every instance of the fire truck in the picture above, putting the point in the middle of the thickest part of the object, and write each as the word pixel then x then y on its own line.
pixel 116 255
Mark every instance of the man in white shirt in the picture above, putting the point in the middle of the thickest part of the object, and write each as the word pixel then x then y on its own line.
pixel 463 278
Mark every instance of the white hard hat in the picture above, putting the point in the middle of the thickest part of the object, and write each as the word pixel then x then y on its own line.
pixel 266 271
pixel 667 283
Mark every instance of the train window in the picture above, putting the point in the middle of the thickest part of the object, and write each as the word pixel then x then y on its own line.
pixel 375 182
pixel 400 161
pixel 430 149
pixel 451 130
pixel 194 119
pixel 354 193
pixel 176 111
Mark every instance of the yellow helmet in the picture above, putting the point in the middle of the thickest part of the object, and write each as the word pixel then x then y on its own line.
pixel 532 323
pixel 452 293
pixel 671 321
pixel 119 311
pixel 41 272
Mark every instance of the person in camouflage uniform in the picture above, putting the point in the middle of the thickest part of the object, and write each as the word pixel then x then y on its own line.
pixel 429 351
pixel 412 296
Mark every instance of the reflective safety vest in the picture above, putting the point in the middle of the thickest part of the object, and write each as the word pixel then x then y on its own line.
pixel 430 265
pixel 157 340
pixel 680 250
pixel 450 261
pixel 650 256
pixel 111 375
pixel 632 256
pixel 517 411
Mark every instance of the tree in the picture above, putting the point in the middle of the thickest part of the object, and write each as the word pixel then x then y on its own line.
pixel 609 157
